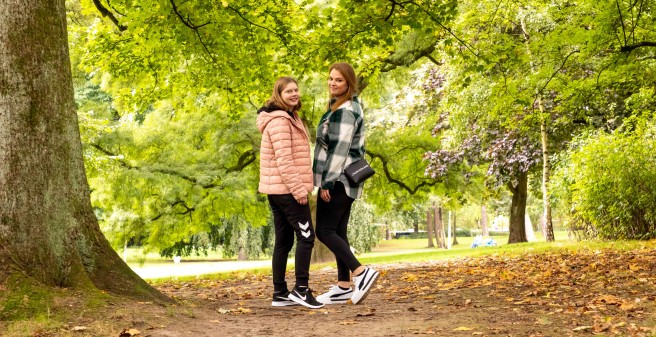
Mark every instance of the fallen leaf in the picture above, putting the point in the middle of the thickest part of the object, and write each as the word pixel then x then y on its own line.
pixel 244 310
pixel 544 321
pixel 582 328
pixel 347 322
pixel 410 277
pixel 463 328
pixel 129 333
pixel 79 328
pixel 222 311
pixel 627 306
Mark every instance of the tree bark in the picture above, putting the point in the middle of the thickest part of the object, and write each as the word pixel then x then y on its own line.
pixel 518 209
pixel 439 228
pixel 430 227
pixel 484 225
pixel 546 172
pixel 48 231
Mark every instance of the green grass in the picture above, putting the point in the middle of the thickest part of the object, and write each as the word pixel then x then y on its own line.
pixel 416 251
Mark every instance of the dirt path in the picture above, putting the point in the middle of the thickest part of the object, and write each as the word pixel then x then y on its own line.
pixel 605 293
pixel 595 293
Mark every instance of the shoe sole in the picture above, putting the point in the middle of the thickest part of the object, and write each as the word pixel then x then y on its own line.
pixel 284 304
pixel 366 293
pixel 303 303
pixel 335 301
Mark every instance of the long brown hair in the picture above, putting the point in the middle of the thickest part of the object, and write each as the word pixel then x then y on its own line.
pixel 276 97
pixel 351 81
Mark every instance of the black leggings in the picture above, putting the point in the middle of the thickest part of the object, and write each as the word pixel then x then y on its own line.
pixel 332 225
pixel 291 218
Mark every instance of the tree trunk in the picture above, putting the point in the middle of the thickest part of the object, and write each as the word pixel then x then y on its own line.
pixel 546 166
pixel 439 228
pixel 546 172
pixel 518 209
pixel 430 227
pixel 48 231
pixel 484 225
pixel 455 237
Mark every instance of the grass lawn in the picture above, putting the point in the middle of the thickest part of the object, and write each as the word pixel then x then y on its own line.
pixel 401 250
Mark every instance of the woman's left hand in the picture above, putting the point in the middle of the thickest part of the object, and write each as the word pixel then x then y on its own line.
pixel 325 195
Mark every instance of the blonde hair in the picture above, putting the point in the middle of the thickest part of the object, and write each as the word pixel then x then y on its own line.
pixel 351 81
pixel 276 97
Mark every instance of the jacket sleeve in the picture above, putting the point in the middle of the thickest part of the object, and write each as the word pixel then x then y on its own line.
pixel 341 129
pixel 279 130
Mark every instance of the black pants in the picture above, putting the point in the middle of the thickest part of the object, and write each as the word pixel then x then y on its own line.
pixel 332 224
pixel 291 219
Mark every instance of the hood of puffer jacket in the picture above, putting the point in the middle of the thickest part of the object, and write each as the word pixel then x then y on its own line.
pixel 263 118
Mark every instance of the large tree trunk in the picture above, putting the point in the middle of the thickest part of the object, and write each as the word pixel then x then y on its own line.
pixel 48 231
pixel 439 228
pixel 484 225
pixel 518 209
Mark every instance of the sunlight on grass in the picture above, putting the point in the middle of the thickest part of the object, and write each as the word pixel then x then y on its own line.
pixel 416 251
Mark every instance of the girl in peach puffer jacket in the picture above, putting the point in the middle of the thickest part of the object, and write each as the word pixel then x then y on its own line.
pixel 286 177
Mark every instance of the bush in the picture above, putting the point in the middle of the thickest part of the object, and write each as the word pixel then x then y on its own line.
pixel 362 234
pixel 608 181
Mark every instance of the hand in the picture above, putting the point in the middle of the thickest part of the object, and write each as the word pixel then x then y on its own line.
pixel 302 201
pixel 325 195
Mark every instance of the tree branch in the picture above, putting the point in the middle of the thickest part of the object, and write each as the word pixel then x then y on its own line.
pixel 401 184
pixel 555 72
pixel 630 48
pixel 186 22
pixel 106 12
pixel 406 59
pixel 619 10
pixel 245 159
pixel 430 15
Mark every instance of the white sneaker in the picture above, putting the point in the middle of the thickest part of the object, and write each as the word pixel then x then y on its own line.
pixel 363 284
pixel 335 295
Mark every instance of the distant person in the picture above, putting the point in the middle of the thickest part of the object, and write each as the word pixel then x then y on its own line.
pixel 340 142
pixel 286 177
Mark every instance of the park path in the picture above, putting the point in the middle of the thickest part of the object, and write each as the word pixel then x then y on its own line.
pixel 194 268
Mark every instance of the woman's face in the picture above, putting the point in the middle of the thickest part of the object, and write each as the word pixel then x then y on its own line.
pixel 336 83
pixel 290 94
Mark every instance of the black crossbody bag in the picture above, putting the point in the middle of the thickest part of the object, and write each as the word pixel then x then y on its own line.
pixel 358 172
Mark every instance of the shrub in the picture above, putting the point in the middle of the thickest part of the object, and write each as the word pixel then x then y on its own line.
pixel 608 181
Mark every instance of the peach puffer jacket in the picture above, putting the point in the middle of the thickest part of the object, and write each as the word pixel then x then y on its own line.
pixel 285 163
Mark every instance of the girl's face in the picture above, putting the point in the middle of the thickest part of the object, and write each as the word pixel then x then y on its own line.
pixel 336 83
pixel 290 95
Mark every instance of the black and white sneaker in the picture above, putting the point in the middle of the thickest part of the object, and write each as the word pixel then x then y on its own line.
pixel 362 284
pixel 335 295
pixel 282 299
pixel 304 297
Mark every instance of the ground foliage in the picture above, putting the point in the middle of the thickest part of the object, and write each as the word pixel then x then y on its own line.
pixel 562 292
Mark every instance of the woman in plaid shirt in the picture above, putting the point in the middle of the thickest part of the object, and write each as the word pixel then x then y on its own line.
pixel 340 142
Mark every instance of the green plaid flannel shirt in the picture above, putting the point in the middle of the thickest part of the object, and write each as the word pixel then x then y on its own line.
pixel 340 142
